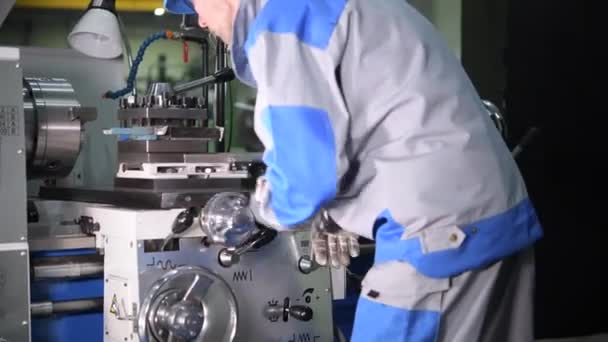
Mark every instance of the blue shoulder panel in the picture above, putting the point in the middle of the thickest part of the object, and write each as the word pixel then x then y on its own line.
pixel 301 166
pixel 312 21
pixel 486 242
pixel 375 322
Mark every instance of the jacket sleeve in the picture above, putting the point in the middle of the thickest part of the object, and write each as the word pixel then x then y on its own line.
pixel 300 115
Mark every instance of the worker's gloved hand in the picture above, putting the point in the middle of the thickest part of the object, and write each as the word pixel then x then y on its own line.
pixel 332 245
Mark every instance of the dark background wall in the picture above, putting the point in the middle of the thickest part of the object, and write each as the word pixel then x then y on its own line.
pixel 533 57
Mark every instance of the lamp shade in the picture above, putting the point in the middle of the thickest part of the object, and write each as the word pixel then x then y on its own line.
pixel 97 34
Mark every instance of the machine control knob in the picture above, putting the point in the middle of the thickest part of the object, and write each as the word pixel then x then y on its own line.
pixel 183 221
pixel 273 311
pixel 300 312
pixel 227 258
pixel 230 256
pixel 306 264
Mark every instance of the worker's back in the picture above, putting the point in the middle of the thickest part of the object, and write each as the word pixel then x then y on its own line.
pixel 427 152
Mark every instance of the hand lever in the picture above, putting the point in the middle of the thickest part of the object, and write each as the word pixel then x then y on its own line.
pixel 221 76
pixel 182 222
pixel 231 256
pixel 300 312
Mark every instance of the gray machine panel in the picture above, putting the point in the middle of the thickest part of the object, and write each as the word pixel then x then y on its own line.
pixel 267 276
pixel 5 8
pixel 14 296
pixel 13 188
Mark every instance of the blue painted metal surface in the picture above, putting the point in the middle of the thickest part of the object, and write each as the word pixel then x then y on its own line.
pixel 67 328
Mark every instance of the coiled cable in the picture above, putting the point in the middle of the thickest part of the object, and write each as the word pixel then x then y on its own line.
pixel 140 56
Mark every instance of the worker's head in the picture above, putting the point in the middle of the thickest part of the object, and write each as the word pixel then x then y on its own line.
pixel 216 15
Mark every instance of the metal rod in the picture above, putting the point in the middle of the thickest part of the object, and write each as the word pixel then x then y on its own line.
pixel 525 141
pixel 180 88
pixel 74 266
pixel 220 92
pixel 48 308
pixel 223 75
pixel 205 59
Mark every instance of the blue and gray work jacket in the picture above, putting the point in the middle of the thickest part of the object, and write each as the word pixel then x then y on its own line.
pixel 364 110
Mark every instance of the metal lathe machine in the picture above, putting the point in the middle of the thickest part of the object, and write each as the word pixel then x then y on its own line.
pixel 170 271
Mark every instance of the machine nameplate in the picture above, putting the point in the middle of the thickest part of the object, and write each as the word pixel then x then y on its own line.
pixel 9 121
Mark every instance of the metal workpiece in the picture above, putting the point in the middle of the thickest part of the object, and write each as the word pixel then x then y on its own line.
pixel 189 303
pixel 176 135
pixel 54 122
pixel 80 306
pixel 67 267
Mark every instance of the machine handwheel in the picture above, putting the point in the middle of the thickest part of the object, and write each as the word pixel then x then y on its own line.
pixel 189 303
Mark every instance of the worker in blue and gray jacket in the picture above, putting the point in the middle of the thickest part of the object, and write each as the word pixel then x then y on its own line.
pixel 371 128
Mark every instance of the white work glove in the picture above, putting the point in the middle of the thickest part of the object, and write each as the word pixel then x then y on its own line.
pixel 331 245
pixel 259 205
